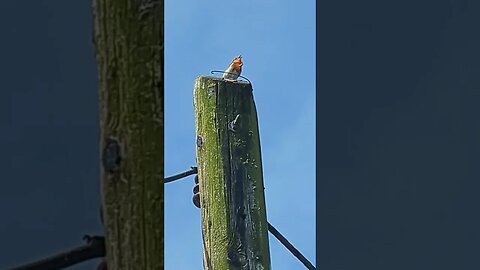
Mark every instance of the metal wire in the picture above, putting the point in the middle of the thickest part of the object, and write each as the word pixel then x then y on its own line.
pixel 290 247
pixel 271 229
pixel 172 178
pixel 219 71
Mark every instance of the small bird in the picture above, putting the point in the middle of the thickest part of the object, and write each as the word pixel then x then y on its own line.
pixel 234 69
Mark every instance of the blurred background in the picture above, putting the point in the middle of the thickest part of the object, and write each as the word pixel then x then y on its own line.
pixel 49 188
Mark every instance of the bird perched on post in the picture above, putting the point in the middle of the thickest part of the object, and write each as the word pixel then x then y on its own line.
pixel 234 69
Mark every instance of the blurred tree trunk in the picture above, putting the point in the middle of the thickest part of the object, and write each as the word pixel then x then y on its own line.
pixel 128 36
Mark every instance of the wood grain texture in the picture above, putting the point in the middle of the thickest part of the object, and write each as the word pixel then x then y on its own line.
pixel 234 227
pixel 128 37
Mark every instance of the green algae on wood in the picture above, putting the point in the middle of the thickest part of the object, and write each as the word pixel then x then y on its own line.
pixel 128 37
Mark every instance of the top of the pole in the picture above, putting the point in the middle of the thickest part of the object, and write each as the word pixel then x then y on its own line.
pixel 219 79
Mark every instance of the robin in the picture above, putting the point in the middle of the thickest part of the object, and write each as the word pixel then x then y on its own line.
pixel 234 69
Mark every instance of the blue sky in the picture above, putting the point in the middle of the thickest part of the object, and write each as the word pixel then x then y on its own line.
pixel 277 42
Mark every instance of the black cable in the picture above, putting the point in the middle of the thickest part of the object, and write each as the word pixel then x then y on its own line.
pixel 225 72
pixel 290 247
pixel 271 229
pixel 172 178
pixel 94 248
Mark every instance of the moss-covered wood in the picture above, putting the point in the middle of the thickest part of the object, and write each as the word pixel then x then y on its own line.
pixel 128 36
pixel 234 226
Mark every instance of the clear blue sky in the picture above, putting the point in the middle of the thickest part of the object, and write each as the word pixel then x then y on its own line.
pixel 277 42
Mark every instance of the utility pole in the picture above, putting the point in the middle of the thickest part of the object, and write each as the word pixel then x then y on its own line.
pixel 234 225
pixel 128 36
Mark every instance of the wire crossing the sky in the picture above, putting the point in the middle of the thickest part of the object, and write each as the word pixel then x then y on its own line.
pixel 271 229
pixel 290 247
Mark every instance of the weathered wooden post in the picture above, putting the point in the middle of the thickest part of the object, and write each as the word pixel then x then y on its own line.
pixel 128 36
pixel 234 225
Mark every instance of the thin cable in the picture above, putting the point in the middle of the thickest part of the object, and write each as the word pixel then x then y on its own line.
pixel 94 248
pixel 219 71
pixel 290 247
pixel 172 178
pixel 271 229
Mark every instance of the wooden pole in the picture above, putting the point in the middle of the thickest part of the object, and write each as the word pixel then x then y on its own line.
pixel 234 226
pixel 128 36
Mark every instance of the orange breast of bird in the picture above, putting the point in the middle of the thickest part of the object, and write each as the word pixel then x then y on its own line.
pixel 237 64
pixel 234 69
